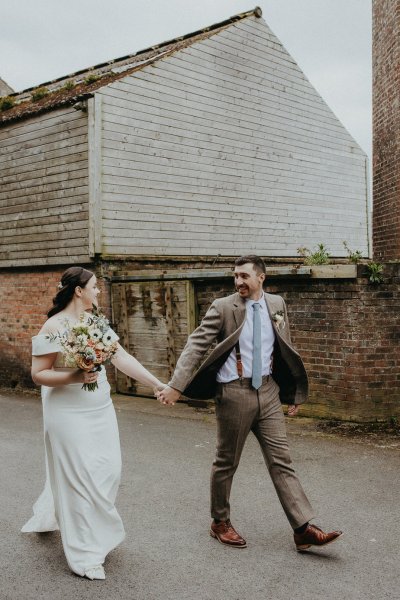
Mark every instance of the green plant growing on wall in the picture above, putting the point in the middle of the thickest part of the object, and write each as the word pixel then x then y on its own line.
pixel 69 85
pixel 39 93
pixel 354 256
pixel 91 79
pixel 6 102
pixel 375 272
pixel 319 257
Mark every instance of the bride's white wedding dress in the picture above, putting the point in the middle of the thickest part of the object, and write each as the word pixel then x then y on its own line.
pixel 83 466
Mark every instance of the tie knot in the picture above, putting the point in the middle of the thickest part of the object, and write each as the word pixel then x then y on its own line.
pixel 256 306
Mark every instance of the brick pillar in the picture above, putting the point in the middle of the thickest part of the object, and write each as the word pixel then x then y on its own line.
pixel 386 129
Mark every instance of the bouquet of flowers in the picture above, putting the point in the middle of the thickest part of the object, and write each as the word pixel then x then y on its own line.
pixel 87 344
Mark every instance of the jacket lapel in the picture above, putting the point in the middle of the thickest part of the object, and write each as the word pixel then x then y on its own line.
pixel 269 301
pixel 239 310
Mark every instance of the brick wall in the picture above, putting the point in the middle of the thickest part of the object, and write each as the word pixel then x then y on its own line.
pixel 386 129
pixel 347 331
pixel 348 334
pixel 25 297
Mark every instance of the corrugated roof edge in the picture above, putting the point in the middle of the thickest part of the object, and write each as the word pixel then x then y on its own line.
pixel 60 96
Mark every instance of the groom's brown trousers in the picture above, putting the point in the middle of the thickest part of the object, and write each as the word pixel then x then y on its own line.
pixel 239 410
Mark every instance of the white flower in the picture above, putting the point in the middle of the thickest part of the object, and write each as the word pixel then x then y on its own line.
pixel 279 319
pixel 107 339
pixel 81 340
pixel 95 334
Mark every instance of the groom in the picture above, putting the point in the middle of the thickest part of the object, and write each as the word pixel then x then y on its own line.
pixel 251 371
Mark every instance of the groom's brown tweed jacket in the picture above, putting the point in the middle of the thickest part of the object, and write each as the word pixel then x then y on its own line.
pixel 223 323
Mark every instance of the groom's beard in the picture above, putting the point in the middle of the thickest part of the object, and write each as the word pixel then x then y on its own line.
pixel 242 289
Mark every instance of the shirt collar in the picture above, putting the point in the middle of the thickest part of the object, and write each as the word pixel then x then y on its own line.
pixel 261 302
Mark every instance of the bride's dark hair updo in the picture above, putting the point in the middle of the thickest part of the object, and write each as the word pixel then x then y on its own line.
pixel 70 279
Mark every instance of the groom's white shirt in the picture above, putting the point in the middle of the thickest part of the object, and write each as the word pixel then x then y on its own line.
pixel 228 372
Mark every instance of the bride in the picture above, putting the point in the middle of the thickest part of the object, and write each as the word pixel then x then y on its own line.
pixel 83 457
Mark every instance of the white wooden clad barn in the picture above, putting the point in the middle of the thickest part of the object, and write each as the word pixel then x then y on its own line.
pixel 215 143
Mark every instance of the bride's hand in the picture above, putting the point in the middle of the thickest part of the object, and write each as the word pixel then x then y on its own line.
pixel 158 388
pixel 88 376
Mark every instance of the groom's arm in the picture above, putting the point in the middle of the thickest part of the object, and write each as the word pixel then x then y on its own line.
pixel 194 351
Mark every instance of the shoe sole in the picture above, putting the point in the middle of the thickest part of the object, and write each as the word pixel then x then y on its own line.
pixel 214 535
pixel 307 546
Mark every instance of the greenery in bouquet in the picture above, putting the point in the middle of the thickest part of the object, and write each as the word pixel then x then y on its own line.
pixel 87 344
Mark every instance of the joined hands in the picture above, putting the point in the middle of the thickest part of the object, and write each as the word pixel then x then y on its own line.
pixel 168 395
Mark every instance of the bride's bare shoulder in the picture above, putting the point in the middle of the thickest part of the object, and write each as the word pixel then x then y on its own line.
pixel 52 325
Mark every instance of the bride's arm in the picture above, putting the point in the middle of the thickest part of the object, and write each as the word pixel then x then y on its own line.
pixel 43 373
pixel 130 366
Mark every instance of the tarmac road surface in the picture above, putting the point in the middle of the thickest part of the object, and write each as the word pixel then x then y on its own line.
pixel 164 502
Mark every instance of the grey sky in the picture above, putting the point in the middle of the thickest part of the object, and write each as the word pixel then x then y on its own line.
pixel 330 40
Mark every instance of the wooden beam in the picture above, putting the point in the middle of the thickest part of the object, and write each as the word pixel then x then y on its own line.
pixel 120 317
pixel 191 307
pixel 95 192
pixel 199 274
pixel 169 321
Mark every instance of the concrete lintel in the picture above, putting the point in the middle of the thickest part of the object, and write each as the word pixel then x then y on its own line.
pixel 334 271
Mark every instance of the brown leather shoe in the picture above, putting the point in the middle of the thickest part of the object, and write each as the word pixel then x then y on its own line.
pixel 225 534
pixel 314 536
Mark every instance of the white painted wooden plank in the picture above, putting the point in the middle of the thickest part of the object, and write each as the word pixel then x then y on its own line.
pixel 261 131
pixel 220 194
pixel 147 133
pixel 170 146
pixel 30 216
pixel 196 179
pixel 284 112
pixel 53 166
pixel 303 93
pixel 120 212
pixel 43 144
pixel 39 193
pixel 315 109
pixel 58 239
pixel 50 244
pixel 43 195
pixel 29 259
pixel 167 124
pixel 42 138
pixel 213 182
pixel 211 93
pixel 171 232
pixel 222 217
pixel 163 151
pixel 57 178
pixel 24 129
pixel 267 165
pixel 59 152
pixel 223 70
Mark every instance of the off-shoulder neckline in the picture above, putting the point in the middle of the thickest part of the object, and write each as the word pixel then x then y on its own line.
pixel 60 319
pixel 46 335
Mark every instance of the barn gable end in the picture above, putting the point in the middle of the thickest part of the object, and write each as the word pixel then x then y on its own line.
pixel 215 143
pixel 226 143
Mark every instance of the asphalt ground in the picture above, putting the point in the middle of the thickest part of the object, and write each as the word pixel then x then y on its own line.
pixel 164 503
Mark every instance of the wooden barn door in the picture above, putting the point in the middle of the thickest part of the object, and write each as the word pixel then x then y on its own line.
pixel 153 320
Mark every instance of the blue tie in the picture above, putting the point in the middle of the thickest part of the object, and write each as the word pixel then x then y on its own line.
pixel 256 379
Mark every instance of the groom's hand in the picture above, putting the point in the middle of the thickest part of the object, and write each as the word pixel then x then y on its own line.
pixel 168 395
pixel 293 409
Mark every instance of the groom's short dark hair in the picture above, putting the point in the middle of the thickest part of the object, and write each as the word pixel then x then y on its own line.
pixel 256 261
